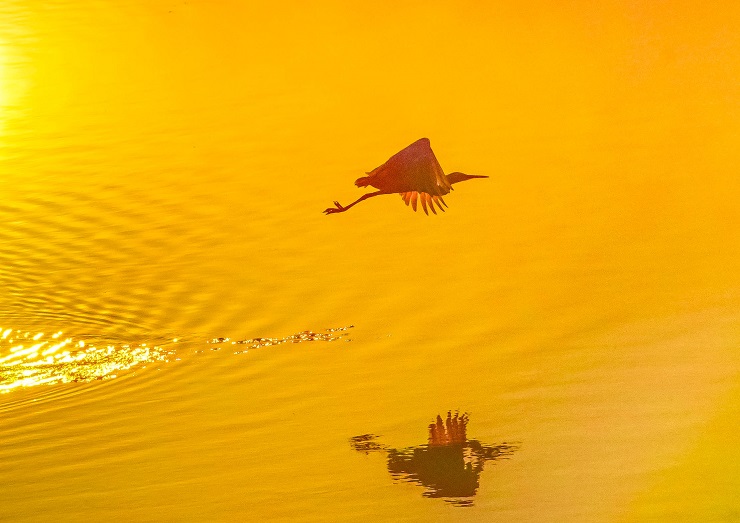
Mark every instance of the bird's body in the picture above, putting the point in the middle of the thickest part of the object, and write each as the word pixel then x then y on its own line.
pixel 413 172
pixel 414 168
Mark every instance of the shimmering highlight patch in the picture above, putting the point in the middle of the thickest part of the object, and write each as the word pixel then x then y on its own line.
pixel 28 360
pixel 301 337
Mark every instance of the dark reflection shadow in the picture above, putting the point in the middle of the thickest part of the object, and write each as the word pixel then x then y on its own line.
pixel 448 466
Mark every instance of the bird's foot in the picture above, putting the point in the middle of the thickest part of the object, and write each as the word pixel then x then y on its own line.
pixel 338 208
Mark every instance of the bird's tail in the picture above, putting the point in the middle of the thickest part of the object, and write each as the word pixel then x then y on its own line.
pixel 362 182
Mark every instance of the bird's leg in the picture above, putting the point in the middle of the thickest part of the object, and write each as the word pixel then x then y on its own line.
pixel 340 208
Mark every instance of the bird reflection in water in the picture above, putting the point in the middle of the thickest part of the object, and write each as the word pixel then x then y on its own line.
pixel 415 174
pixel 448 466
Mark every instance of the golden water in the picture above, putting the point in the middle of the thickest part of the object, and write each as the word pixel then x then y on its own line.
pixel 163 168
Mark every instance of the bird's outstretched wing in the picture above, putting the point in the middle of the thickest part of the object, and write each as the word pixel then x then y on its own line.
pixel 413 169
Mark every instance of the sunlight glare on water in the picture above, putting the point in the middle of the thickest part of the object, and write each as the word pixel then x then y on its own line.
pixel 164 166
pixel 30 361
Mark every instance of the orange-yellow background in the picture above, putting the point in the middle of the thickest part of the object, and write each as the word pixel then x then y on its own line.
pixel 164 167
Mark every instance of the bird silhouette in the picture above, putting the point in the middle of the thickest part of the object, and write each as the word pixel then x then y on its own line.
pixel 415 174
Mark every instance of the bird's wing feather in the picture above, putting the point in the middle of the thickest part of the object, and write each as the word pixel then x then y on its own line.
pixel 411 198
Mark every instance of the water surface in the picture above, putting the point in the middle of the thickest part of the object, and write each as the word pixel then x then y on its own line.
pixel 163 168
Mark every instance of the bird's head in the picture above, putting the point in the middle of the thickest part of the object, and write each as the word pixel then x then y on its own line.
pixel 461 177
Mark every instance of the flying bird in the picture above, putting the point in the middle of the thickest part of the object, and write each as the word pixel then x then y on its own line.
pixel 415 174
